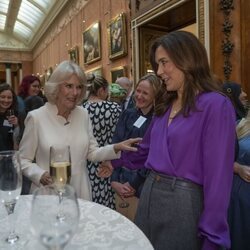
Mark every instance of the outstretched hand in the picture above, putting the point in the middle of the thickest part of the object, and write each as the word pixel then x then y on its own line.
pixel 127 145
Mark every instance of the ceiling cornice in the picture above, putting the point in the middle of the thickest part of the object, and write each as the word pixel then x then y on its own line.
pixel 62 21
pixel 48 21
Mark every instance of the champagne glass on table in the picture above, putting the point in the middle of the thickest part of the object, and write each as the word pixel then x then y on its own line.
pixel 10 188
pixel 51 231
pixel 60 169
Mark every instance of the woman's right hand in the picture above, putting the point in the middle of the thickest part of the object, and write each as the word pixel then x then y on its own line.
pixel 127 145
pixel 46 179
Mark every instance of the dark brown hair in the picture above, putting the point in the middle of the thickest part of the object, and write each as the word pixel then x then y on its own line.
pixel 189 55
pixel 96 82
pixel 14 105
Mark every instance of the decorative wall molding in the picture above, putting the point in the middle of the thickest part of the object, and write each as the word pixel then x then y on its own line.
pixel 64 19
pixel 201 21
pixel 226 6
pixel 9 43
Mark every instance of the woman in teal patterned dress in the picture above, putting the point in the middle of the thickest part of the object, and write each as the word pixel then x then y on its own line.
pixel 104 116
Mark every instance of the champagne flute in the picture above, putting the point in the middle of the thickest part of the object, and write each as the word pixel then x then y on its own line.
pixel 10 187
pixel 60 165
pixel 9 113
pixel 53 232
pixel 60 169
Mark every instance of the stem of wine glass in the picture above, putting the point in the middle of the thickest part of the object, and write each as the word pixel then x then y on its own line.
pixel 60 216
pixel 60 194
pixel 10 207
pixel 57 247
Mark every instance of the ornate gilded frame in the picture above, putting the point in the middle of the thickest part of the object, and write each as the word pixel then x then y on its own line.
pixel 74 54
pixel 117 72
pixel 202 20
pixel 117 37
pixel 95 71
pixel 92 43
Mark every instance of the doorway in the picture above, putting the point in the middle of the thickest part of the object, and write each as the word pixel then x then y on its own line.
pixel 168 16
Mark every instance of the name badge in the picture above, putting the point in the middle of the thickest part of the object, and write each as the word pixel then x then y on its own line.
pixel 138 123
pixel 7 124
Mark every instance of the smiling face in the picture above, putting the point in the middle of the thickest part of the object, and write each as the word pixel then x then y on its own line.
pixel 144 96
pixel 243 97
pixel 171 76
pixel 68 95
pixel 34 88
pixel 6 99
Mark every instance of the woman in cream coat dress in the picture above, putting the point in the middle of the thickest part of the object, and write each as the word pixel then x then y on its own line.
pixel 61 121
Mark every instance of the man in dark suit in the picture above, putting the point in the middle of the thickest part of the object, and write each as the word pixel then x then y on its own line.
pixel 125 83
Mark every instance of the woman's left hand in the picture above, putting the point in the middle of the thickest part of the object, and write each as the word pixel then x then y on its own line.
pixel 244 172
pixel 127 145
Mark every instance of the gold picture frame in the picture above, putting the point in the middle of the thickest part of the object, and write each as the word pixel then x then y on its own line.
pixel 117 72
pixel 95 71
pixel 147 37
pixel 48 73
pixel 74 54
pixel 92 43
pixel 117 37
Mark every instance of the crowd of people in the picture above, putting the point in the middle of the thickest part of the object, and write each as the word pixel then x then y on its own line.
pixel 175 149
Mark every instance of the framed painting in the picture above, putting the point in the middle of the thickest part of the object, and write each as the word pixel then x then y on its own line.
pixel 147 37
pixel 117 72
pixel 117 37
pixel 92 43
pixel 74 54
pixel 95 71
pixel 48 73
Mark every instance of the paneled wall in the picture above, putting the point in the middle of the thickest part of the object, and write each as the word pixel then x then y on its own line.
pixel 66 32
pixel 239 58
pixel 245 44
pixel 240 38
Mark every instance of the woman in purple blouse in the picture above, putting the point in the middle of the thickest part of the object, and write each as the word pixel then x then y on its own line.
pixel 189 148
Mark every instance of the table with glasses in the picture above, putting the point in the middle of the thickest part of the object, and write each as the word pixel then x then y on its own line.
pixel 99 228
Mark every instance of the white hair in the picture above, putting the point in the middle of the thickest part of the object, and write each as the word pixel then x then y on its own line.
pixel 62 73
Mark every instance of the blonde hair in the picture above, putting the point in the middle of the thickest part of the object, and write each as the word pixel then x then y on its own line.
pixel 62 73
pixel 153 80
pixel 243 128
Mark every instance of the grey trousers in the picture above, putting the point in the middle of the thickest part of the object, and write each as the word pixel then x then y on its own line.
pixel 168 212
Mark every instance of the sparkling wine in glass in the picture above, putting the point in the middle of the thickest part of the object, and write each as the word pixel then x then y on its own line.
pixel 60 165
pixel 10 187
pixel 9 113
pixel 51 231
pixel 60 170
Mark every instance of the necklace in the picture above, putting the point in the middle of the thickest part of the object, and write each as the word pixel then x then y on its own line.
pixel 173 114
pixel 174 111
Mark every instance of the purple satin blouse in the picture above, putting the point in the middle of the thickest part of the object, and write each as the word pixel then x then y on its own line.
pixel 200 148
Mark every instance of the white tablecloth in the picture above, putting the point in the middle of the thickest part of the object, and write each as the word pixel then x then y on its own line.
pixel 99 228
